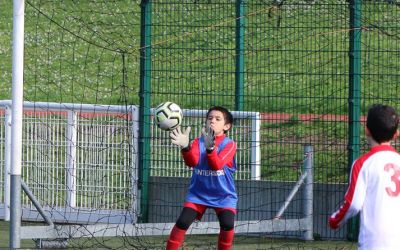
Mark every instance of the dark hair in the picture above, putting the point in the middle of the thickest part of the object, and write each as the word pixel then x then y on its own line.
pixel 227 115
pixel 382 122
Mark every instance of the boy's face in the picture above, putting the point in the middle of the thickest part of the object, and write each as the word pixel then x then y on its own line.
pixel 216 121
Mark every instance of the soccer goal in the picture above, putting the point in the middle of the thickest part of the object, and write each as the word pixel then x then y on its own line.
pixel 81 174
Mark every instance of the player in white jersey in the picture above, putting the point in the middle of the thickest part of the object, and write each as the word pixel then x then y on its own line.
pixel 374 187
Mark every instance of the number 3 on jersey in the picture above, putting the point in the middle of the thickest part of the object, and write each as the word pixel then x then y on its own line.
pixel 395 178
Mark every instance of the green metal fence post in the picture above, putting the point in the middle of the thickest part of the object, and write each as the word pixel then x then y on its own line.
pixel 354 96
pixel 239 72
pixel 144 109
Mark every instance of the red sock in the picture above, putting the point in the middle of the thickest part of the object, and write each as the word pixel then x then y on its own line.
pixel 176 238
pixel 225 239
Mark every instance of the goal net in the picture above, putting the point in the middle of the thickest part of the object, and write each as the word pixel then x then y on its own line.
pixel 98 172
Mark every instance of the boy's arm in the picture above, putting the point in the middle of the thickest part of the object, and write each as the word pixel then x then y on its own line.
pixel 190 151
pixel 191 154
pixel 225 157
pixel 353 199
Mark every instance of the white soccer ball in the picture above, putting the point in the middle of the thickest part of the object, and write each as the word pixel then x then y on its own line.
pixel 168 116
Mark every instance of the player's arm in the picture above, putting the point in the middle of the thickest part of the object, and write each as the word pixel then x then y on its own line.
pixel 353 199
pixel 225 157
pixel 190 151
pixel 191 154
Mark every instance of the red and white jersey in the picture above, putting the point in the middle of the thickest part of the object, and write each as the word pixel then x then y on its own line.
pixel 374 191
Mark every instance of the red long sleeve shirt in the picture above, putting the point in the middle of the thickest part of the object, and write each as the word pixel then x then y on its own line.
pixel 215 160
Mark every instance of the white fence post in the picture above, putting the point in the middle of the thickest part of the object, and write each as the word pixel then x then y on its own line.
pixel 71 158
pixel 135 169
pixel 255 148
pixel 7 160
pixel 308 191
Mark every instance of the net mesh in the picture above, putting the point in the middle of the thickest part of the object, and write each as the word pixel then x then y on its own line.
pixel 81 162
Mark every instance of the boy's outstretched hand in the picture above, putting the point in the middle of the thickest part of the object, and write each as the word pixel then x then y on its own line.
pixel 209 138
pixel 180 138
pixel 333 223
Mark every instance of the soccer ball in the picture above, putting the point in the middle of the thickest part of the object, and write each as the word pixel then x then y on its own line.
pixel 168 116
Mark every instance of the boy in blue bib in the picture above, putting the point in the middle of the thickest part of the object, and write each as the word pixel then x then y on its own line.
pixel 212 184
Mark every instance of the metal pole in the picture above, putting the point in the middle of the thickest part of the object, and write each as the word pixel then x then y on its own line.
pixel 308 192
pixel 354 96
pixel 255 148
pixel 16 122
pixel 134 163
pixel 239 71
pixel 145 107
pixel 291 195
pixel 36 203
pixel 7 160
pixel 71 158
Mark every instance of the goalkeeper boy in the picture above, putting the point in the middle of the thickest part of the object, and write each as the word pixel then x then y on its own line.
pixel 374 188
pixel 212 184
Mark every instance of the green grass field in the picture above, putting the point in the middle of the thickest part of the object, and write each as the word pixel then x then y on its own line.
pixel 296 55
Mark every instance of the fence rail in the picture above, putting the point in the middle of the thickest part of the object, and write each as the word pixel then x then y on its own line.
pixel 79 161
